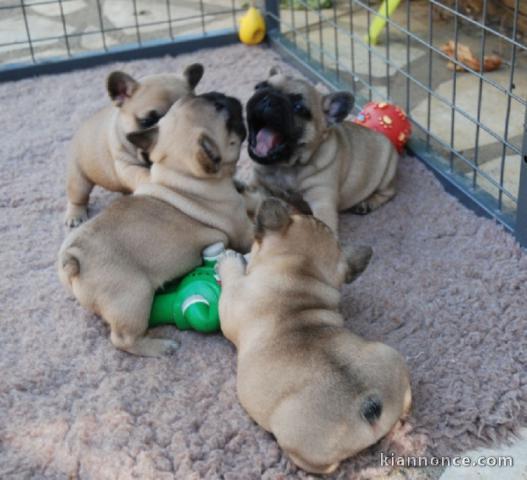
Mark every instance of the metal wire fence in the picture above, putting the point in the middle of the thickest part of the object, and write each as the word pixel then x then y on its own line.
pixel 460 73
pixel 35 32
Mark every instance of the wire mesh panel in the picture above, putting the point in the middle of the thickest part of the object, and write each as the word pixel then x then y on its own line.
pixel 37 31
pixel 458 67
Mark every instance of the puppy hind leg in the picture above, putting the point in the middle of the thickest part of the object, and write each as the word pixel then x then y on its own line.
pixel 78 189
pixel 309 447
pixel 128 318
pixel 384 192
pixel 319 469
pixel 374 201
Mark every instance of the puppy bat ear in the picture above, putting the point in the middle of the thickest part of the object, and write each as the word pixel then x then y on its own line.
pixel 273 215
pixel 120 86
pixel 208 154
pixel 337 106
pixel 275 70
pixel 356 260
pixel 294 200
pixel 193 74
pixel 144 139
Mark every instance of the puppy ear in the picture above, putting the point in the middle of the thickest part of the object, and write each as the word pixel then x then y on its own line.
pixel 144 139
pixel 193 74
pixel 120 86
pixel 357 259
pixel 275 70
pixel 273 215
pixel 208 154
pixel 294 200
pixel 337 106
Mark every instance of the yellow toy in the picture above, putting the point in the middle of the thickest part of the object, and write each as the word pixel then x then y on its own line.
pixel 252 27
pixel 377 26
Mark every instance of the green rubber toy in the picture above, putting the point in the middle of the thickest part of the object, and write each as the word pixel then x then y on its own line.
pixel 191 303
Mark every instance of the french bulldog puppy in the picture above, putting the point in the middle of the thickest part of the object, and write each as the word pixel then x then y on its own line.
pixel 102 154
pixel 114 262
pixel 299 141
pixel 323 392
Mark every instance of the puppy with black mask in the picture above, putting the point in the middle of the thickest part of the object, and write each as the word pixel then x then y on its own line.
pixel 299 142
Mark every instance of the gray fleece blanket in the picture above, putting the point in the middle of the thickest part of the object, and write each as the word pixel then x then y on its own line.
pixel 446 288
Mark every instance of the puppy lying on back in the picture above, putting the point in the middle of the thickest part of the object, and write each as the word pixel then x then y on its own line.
pixel 324 393
pixel 299 141
pixel 101 153
pixel 114 262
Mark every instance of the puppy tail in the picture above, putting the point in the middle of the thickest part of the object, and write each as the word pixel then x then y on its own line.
pixel 69 266
pixel 371 408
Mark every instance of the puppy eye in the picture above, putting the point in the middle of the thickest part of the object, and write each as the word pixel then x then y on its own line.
pixel 298 107
pixel 150 120
pixel 260 85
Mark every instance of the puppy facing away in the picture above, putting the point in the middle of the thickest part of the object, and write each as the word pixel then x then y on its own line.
pixel 101 153
pixel 114 262
pixel 299 141
pixel 323 392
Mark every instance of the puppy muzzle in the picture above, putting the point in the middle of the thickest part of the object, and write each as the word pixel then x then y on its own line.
pixel 272 131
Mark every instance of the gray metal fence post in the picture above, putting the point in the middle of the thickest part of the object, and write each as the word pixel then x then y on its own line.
pixel 272 12
pixel 521 210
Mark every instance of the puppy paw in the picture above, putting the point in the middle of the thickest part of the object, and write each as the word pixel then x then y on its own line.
pixel 362 208
pixel 358 259
pixel 239 185
pixel 75 215
pixel 142 346
pixel 230 261
pixel 152 347
pixel 166 346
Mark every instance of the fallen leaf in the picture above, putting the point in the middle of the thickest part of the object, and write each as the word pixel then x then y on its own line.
pixel 465 56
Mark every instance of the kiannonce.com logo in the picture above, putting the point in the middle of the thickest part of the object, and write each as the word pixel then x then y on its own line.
pixel 392 460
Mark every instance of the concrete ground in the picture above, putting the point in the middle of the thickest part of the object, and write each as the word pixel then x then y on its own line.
pixel 83 20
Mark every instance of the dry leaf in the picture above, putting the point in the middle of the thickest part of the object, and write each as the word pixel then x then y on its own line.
pixel 467 58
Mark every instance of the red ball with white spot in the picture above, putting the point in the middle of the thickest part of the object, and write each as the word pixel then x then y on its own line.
pixel 388 119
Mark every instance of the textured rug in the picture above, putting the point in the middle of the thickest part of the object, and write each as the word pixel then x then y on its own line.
pixel 446 288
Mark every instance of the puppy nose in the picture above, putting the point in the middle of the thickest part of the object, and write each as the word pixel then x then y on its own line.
pixel 265 102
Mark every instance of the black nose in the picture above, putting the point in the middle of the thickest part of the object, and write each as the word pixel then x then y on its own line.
pixel 267 99
pixel 268 105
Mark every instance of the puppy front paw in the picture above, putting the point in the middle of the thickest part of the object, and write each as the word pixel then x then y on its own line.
pixel 358 259
pixel 240 186
pixel 230 261
pixel 362 208
pixel 75 215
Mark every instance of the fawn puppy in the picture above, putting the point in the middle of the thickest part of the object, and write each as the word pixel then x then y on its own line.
pixel 101 152
pixel 114 262
pixel 324 393
pixel 299 140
